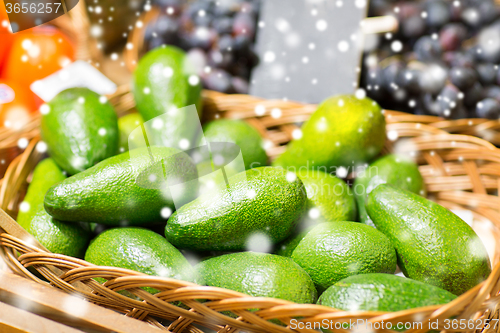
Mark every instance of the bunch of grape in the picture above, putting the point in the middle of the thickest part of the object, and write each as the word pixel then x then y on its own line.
pixel 218 36
pixel 442 61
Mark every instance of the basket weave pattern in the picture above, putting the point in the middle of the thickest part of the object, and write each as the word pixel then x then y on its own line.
pixel 460 171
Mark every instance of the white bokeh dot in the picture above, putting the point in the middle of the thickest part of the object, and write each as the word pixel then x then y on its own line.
pixel 360 93
pixel 343 46
pixel 291 176
pixel 260 110
pixel 44 109
pixel 24 206
pixel 297 133
pixel 41 147
pixel 184 144
pixel 276 113
pixel 22 143
pixel 269 56
pixel 341 172
pixel 166 212
pixel 314 213
pixel 321 25
pixel 194 80
pixel 397 46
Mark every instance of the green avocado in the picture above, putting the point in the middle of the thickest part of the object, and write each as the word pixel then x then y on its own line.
pixel 127 124
pixel 126 189
pixel 140 250
pixel 259 275
pixel 382 292
pixel 433 245
pixel 395 170
pixel 239 132
pixel 163 82
pixel 80 129
pixel 333 251
pixel 329 198
pixel 56 236
pixel 211 177
pixel 263 200
pixel 344 131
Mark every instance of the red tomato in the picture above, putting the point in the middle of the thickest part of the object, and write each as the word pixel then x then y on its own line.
pixel 6 36
pixel 36 53
pixel 17 104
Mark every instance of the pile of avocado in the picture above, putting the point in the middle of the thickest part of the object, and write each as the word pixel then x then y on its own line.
pixel 339 242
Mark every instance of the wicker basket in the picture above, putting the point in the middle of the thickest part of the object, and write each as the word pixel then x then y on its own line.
pixel 460 172
pixel 75 25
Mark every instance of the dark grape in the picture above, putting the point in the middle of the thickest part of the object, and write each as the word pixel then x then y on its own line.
pixel 471 16
pixel 223 25
pixel 239 85
pixel 201 37
pixel 488 108
pixel 473 95
pixel 438 13
pixel 175 5
pixel 426 48
pixel 216 34
pixel 244 24
pixel 218 80
pixel 459 59
pixel 251 8
pixel 463 77
pixel 411 80
pixel 225 43
pixel 242 44
pixel 414 26
pixel 492 92
pixel 488 11
pixel 374 82
pixel 380 7
pixel 449 62
pixel 430 104
pixel 433 78
pixel 220 59
pixel 487 73
pixel 449 101
pixel 451 36
pixel 203 20
pixel 197 7
pixel 392 75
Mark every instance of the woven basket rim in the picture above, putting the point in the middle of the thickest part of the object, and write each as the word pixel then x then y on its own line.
pixel 79 271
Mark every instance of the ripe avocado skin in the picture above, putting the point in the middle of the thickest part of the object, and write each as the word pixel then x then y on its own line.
pixel 126 125
pixel 140 250
pixel 259 275
pixel 433 245
pixel 343 131
pixel 58 237
pixel 108 194
pixel 159 94
pixel 335 250
pixel 258 200
pixel 242 134
pixel 382 292
pixel 165 91
pixel 391 169
pixel 330 195
pixel 80 135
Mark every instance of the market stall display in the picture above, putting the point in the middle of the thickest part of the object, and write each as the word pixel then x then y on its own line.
pixel 262 248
